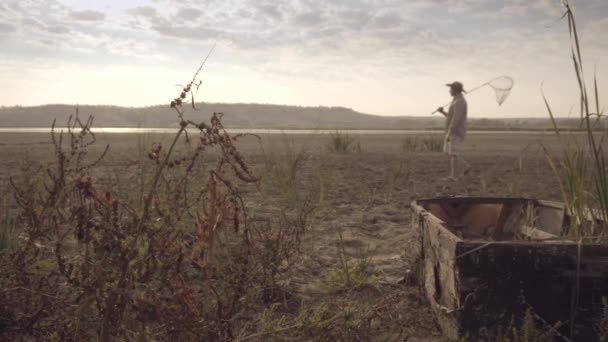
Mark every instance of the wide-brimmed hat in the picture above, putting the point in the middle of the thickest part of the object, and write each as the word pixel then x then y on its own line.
pixel 456 86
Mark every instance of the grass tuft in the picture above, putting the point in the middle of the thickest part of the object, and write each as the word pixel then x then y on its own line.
pixel 422 143
pixel 528 327
pixel 581 169
pixel 281 171
pixel 349 275
pixel 8 230
pixel 341 142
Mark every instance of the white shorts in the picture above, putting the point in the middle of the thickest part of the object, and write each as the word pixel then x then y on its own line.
pixel 452 148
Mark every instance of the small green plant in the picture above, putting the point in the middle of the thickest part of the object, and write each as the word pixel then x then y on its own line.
pixel 281 170
pixel 269 322
pixel 529 329
pixel 529 332
pixel 341 142
pixel 422 143
pixel 315 320
pixel 349 275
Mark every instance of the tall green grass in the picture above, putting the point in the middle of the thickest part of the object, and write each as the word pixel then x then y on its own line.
pixel 422 143
pixel 581 169
pixel 143 146
pixel 341 142
pixel 350 275
pixel 528 328
pixel 281 171
pixel 8 226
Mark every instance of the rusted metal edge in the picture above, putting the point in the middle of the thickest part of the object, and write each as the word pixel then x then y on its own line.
pixel 421 212
pixel 560 241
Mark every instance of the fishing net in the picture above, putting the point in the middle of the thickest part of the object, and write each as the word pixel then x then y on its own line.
pixel 502 87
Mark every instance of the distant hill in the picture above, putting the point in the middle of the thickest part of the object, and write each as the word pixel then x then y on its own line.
pixel 255 116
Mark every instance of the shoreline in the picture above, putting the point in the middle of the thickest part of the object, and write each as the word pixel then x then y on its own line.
pixel 308 131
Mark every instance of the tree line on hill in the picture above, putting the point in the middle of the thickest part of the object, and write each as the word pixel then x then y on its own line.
pixel 243 115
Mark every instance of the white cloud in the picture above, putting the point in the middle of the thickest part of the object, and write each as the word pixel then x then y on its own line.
pixel 391 56
pixel 88 15
pixel 7 28
pixel 189 13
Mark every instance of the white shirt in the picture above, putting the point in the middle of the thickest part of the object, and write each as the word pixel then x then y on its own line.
pixel 456 127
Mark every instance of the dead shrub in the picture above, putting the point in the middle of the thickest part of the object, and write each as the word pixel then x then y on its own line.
pixel 185 262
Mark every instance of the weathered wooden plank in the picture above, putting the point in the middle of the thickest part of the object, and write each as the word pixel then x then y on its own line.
pixel 438 246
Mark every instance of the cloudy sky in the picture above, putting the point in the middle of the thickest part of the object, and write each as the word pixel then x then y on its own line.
pixel 388 57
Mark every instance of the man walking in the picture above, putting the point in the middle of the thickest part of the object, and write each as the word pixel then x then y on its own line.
pixel 456 129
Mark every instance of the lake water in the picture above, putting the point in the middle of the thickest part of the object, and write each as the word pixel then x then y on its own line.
pixel 262 131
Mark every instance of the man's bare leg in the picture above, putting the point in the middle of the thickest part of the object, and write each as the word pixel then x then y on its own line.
pixel 466 166
pixel 453 161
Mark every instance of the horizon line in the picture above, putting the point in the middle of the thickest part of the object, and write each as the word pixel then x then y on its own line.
pixel 287 105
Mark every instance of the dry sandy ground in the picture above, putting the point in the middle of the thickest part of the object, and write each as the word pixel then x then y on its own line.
pixel 367 198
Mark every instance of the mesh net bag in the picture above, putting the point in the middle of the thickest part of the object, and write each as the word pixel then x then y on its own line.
pixel 502 87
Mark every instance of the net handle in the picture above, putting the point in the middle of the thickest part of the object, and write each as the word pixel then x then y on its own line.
pixel 475 89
